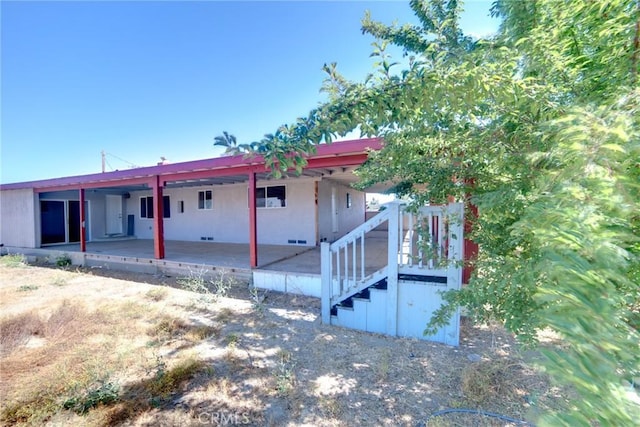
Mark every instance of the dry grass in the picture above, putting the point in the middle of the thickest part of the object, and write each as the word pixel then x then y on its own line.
pixel 167 328
pixel 13 261
pixel 487 380
pixel 157 294
pixel 51 357
pixel 64 359
pixel 99 351
pixel 16 331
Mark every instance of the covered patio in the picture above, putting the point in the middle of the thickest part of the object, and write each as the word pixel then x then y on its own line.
pixel 220 255
pixel 281 268
pixel 214 255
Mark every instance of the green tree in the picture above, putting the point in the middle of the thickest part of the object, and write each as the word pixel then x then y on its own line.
pixel 539 126
pixel 231 145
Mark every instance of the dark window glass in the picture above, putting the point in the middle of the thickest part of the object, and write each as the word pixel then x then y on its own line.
pixel 205 199
pixel 166 207
pixel 260 197
pixel 276 196
pixel 143 207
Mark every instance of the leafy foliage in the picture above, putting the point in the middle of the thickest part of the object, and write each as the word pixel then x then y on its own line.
pixel 539 127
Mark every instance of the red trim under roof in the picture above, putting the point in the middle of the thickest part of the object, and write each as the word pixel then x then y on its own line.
pixel 328 155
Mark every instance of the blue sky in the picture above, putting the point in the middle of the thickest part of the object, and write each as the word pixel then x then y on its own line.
pixel 144 79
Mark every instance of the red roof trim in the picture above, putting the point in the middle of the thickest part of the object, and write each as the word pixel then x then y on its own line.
pixel 337 151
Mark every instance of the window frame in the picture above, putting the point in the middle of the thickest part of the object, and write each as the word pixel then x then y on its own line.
pixel 265 188
pixel 204 200
pixel 148 207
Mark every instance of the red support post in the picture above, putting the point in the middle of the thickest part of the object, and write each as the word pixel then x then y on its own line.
pixel 158 218
pixel 253 223
pixel 83 224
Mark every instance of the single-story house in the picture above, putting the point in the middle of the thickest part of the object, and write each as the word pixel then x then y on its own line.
pixel 226 199
pixel 382 274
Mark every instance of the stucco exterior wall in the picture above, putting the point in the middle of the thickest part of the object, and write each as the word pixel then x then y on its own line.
pixel 228 220
pixel 18 218
pixel 347 218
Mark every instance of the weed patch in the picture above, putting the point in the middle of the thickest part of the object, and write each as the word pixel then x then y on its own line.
pixel 59 281
pixel 27 288
pixel 13 261
pixel 202 332
pixel 382 367
pixel 157 294
pixel 257 300
pixel 167 328
pixel 213 286
pixel 488 380
pixel 15 331
pixel 103 393
pixel 224 315
pixel 63 261
pixel 284 373
pixel 169 381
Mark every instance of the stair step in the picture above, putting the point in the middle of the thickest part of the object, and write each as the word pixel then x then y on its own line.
pixel 346 303
pixel 382 284
pixel 362 294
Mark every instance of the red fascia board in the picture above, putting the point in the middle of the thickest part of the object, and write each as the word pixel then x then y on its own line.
pixel 234 164
pixel 210 173
pixel 101 184
pixel 326 162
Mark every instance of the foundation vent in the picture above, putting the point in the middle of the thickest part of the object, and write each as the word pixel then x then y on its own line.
pixel 296 242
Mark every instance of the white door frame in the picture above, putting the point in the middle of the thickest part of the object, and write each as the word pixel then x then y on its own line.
pixel 112 226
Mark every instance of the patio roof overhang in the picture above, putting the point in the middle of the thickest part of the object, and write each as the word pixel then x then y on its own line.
pixel 336 160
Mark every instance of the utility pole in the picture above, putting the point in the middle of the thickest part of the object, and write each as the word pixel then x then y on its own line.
pixel 103 160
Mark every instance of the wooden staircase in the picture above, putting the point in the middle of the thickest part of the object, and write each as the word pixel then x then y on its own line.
pixel 425 250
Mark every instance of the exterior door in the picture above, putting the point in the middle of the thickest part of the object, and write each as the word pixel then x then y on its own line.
pixel 114 214
pixel 73 221
pixel 52 222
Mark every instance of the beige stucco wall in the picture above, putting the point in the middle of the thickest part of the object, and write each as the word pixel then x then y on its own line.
pixel 228 221
pixel 18 218
pixel 347 218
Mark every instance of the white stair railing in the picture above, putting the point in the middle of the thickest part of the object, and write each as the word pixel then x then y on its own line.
pixel 423 242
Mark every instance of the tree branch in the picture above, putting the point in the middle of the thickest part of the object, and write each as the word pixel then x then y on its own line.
pixel 636 47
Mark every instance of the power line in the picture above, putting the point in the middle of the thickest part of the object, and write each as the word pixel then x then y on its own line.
pixel 106 162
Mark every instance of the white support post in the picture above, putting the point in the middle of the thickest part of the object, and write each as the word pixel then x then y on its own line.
pixel 325 269
pixel 455 214
pixel 392 269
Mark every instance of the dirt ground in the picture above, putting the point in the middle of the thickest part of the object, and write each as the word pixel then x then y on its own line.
pixel 95 347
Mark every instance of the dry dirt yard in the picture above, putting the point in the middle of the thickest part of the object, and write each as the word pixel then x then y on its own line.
pixel 97 348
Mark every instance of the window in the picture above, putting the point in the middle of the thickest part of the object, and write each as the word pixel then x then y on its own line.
pixel 166 207
pixel 181 206
pixel 271 197
pixel 146 207
pixel 348 200
pixel 205 199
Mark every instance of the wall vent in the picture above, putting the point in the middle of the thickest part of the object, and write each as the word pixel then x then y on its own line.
pixel 296 242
